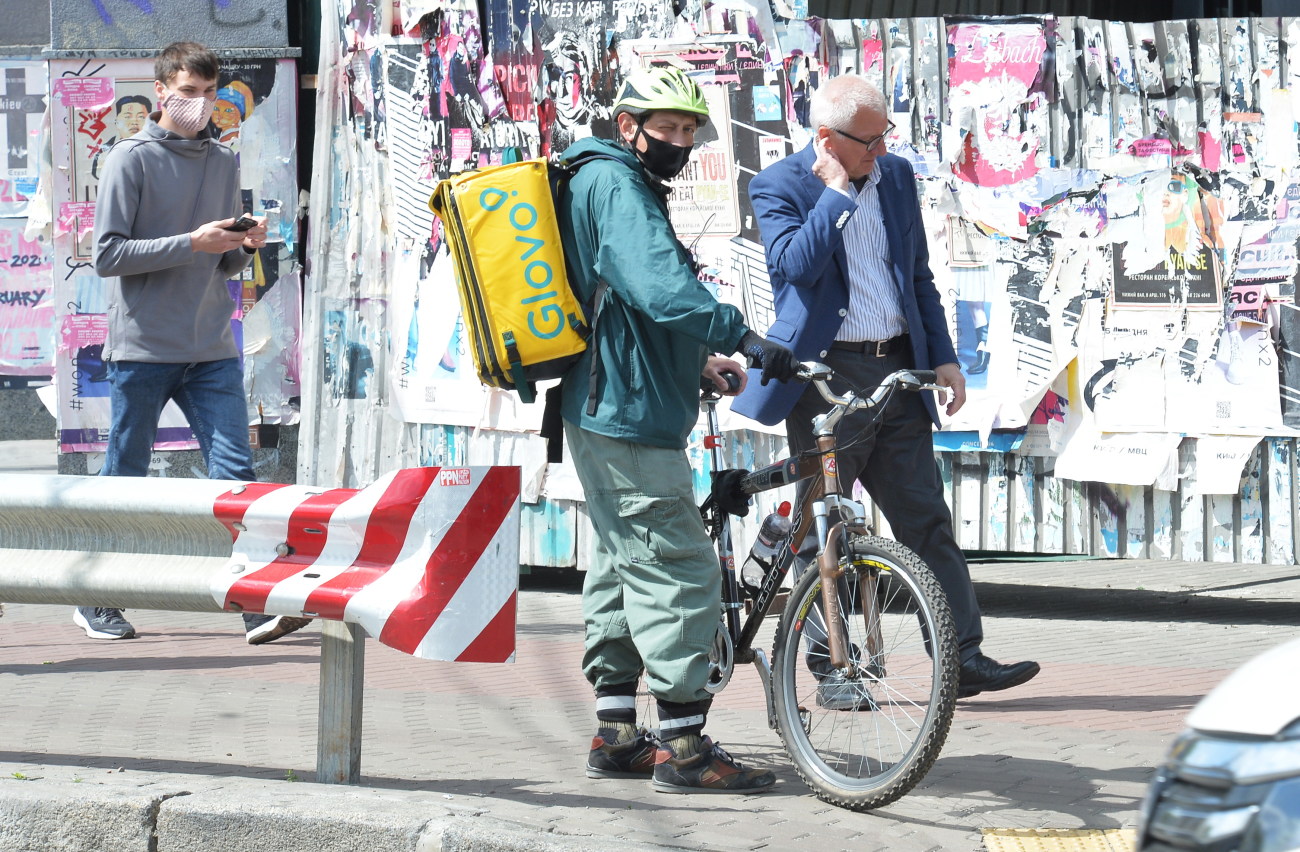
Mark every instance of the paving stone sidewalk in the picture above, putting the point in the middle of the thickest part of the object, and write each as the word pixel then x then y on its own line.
pixel 1127 648
pixel 1072 749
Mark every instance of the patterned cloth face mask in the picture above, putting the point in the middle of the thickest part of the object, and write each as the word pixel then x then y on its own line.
pixel 189 114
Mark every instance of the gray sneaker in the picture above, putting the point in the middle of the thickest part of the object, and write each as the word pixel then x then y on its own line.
pixel 834 692
pixel 102 622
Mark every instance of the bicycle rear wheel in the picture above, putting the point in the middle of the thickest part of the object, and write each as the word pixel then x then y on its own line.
pixel 864 737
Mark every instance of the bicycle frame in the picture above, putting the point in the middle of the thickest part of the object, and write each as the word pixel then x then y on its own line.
pixel 813 513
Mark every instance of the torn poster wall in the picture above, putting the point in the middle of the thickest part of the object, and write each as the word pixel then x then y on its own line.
pixel 26 302
pixel 1000 79
pixel 1109 206
pixel 22 107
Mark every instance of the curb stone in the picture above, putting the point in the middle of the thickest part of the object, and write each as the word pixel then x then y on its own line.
pixel 160 812
pixel 40 816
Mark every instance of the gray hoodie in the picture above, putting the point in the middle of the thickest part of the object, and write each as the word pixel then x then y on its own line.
pixel 167 303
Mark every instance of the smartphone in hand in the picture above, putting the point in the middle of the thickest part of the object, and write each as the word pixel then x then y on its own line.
pixel 243 223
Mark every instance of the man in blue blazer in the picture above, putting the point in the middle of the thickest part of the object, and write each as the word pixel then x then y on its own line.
pixel 850 271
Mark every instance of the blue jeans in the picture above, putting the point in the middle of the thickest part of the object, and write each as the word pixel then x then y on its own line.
pixel 210 394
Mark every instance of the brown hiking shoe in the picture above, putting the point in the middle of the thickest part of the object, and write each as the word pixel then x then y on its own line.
pixel 621 750
pixel 695 764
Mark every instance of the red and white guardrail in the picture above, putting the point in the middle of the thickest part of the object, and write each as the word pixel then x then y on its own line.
pixel 425 559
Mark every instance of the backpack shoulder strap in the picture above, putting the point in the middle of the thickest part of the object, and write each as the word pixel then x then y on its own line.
pixel 561 173
pixel 573 164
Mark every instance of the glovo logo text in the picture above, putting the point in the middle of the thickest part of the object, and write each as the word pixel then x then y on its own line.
pixel 545 316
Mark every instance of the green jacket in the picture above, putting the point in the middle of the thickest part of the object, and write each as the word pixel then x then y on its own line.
pixel 657 323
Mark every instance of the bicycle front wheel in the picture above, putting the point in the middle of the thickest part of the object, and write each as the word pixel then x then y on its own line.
pixel 862 736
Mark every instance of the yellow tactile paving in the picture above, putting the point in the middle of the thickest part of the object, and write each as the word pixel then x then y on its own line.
pixel 1059 839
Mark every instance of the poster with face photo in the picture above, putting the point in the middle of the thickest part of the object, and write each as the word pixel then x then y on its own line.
pixel 459 90
pixel 84 126
pixel 1188 270
pixel 516 53
pixel 255 115
pixel 242 87
pixel 578 84
pixel 95 105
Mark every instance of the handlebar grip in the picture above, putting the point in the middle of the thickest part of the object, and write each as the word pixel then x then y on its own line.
pixel 925 377
pixel 732 379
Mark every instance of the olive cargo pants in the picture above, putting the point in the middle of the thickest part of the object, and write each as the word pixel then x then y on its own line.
pixel 651 598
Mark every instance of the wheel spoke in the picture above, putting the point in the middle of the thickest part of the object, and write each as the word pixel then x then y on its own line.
pixel 867 735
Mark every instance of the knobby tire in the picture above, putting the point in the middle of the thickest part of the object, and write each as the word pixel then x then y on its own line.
pixel 869 756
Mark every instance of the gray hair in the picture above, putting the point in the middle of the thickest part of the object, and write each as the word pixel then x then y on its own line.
pixel 835 104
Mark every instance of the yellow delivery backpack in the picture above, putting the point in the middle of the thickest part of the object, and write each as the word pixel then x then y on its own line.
pixel 523 320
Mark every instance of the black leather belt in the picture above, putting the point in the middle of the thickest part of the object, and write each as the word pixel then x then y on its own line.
pixel 874 348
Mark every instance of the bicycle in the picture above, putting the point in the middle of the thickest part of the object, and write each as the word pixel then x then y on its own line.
pixel 863 679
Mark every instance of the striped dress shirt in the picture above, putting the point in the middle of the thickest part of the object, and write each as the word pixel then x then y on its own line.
pixel 875 306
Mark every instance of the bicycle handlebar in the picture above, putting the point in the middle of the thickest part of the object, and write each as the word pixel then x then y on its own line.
pixel 820 374
pixel 910 380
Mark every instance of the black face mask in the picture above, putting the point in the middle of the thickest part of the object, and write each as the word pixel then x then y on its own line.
pixel 662 159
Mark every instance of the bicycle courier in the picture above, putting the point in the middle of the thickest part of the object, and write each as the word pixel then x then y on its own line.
pixel 523 319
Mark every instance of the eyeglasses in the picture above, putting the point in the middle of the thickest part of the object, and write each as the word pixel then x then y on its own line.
pixel 869 143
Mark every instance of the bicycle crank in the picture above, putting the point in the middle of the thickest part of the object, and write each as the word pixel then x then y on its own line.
pixel 722 660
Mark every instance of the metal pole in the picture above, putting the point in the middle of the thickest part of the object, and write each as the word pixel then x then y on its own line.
pixel 342 677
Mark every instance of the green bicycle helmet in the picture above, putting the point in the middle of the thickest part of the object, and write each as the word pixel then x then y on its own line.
pixel 661 87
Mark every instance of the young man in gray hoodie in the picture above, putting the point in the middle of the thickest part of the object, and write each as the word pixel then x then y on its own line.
pixel 166 243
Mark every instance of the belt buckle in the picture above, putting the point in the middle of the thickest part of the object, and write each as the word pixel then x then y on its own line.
pixel 882 348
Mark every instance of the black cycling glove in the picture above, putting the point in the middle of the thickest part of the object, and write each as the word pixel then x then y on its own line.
pixel 778 362
pixel 728 494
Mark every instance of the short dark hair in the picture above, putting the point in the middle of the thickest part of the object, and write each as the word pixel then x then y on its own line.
pixel 132 99
pixel 186 56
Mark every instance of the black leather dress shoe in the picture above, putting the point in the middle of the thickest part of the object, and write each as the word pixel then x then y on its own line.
pixel 984 674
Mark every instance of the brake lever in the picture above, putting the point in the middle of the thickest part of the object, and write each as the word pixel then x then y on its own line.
pixel 813 371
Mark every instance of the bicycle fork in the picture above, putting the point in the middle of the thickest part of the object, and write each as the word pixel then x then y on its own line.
pixel 828 568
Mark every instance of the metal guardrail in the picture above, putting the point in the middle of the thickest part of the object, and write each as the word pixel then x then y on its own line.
pixel 425 560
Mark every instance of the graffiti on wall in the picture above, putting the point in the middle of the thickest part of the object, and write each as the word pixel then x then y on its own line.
pixel 26 302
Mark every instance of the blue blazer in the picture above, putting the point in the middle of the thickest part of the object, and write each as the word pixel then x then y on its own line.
pixel 800 220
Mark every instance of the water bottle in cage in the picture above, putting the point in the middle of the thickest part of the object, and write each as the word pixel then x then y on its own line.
pixel 771 535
